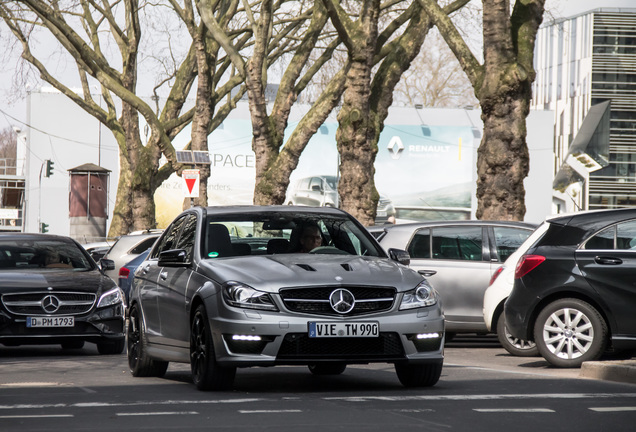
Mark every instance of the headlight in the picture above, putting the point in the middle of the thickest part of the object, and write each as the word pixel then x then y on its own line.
pixel 111 298
pixel 241 295
pixel 423 295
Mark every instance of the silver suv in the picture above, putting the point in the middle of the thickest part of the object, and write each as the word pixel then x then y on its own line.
pixel 126 248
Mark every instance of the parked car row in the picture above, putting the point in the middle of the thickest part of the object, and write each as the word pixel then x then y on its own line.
pixel 229 287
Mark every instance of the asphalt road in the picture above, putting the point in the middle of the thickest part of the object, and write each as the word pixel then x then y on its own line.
pixel 482 389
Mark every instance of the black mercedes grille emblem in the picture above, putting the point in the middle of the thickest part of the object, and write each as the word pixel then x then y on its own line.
pixel 342 301
pixel 50 304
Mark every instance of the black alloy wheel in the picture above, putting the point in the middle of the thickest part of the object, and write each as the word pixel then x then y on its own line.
pixel 206 372
pixel 138 361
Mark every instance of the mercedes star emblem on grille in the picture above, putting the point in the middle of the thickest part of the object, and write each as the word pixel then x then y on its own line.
pixel 50 304
pixel 342 301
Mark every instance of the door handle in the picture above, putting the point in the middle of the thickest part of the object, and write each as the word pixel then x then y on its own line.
pixel 163 275
pixel 427 273
pixel 608 260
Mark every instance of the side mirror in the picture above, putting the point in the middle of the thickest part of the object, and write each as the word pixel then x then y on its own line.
pixel 316 188
pixel 106 264
pixel 173 258
pixel 400 256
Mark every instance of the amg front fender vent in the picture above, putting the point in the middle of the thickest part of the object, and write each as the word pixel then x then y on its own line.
pixel 306 267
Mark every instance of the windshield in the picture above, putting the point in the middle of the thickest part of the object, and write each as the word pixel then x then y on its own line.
pixel 42 254
pixel 285 232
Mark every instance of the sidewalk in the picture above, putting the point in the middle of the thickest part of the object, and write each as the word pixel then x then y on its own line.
pixel 623 371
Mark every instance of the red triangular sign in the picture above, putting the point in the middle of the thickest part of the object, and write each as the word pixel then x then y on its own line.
pixel 190 183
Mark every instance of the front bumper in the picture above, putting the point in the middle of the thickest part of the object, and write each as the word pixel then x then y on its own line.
pixel 269 339
pixel 99 325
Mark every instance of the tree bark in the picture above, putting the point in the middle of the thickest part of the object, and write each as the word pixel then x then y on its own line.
pixel 503 86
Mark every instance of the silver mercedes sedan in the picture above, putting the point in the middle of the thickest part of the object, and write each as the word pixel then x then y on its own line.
pixel 231 287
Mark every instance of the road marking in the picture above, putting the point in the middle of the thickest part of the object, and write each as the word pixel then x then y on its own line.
pixel 514 410
pixel 613 409
pixel 157 413
pixel 484 397
pixel 269 411
pixel 36 416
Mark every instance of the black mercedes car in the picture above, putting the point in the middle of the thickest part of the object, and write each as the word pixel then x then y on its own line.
pixel 231 287
pixel 574 292
pixel 52 292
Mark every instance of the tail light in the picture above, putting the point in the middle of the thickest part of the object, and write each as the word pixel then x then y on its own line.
pixel 124 273
pixel 526 264
pixel 495 275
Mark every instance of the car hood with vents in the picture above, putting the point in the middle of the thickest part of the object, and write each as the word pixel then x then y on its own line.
pixel 272 272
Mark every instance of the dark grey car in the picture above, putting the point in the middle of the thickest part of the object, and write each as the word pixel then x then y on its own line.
pixel 458 258
pixel 221 301
pixel 52 292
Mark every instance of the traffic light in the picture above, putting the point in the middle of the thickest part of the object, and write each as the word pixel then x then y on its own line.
pixel 44 228
pixel 49 168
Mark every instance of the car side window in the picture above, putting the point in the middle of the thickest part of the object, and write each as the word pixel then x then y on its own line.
pixel 169 239
pixel 420 246
pixel 315 184
pixel 186 241
pixel 143 245
pixel 604 240
pixel 626 236
pixel 508 240
pixel 458 243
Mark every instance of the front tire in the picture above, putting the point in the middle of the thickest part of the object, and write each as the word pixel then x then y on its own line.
pixel 418 375
pixel 140 364
pixel 206 372
pixel 515 346
pixel 569 332
pixel 111 347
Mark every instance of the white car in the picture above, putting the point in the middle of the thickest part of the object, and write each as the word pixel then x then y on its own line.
pixel 496 294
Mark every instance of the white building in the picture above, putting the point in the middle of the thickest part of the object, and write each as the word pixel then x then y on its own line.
pixel 586 75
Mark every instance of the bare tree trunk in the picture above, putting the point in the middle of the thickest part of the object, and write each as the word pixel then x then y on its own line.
pixel 503 87
pixel 355 136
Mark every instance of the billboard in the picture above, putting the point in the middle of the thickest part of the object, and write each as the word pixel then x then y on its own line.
pixel 423 171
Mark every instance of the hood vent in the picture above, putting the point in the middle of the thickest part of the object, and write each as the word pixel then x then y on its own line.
pixel 306 267
pixel 347 267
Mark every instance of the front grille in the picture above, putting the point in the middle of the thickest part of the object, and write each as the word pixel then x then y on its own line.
pixel 300 346
pixel 34 303
pixel 316 300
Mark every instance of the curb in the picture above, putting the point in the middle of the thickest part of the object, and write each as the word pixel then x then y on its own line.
pixel 617 371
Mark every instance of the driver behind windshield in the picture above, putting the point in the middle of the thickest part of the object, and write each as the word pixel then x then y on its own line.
pixel 310 238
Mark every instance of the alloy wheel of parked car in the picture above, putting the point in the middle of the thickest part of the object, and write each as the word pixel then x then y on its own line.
pixel 138 361
pixel 418 375
pixel 515 346
pixel 206 372
pixel 327 368
pixel 569 332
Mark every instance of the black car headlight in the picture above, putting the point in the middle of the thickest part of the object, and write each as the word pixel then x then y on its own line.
pixel 243 296
pixel 423 295
pixel 111 298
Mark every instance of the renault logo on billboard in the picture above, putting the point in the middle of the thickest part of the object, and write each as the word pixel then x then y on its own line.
pixel 395 147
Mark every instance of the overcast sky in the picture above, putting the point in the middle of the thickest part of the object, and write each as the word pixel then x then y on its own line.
pixel 556 8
